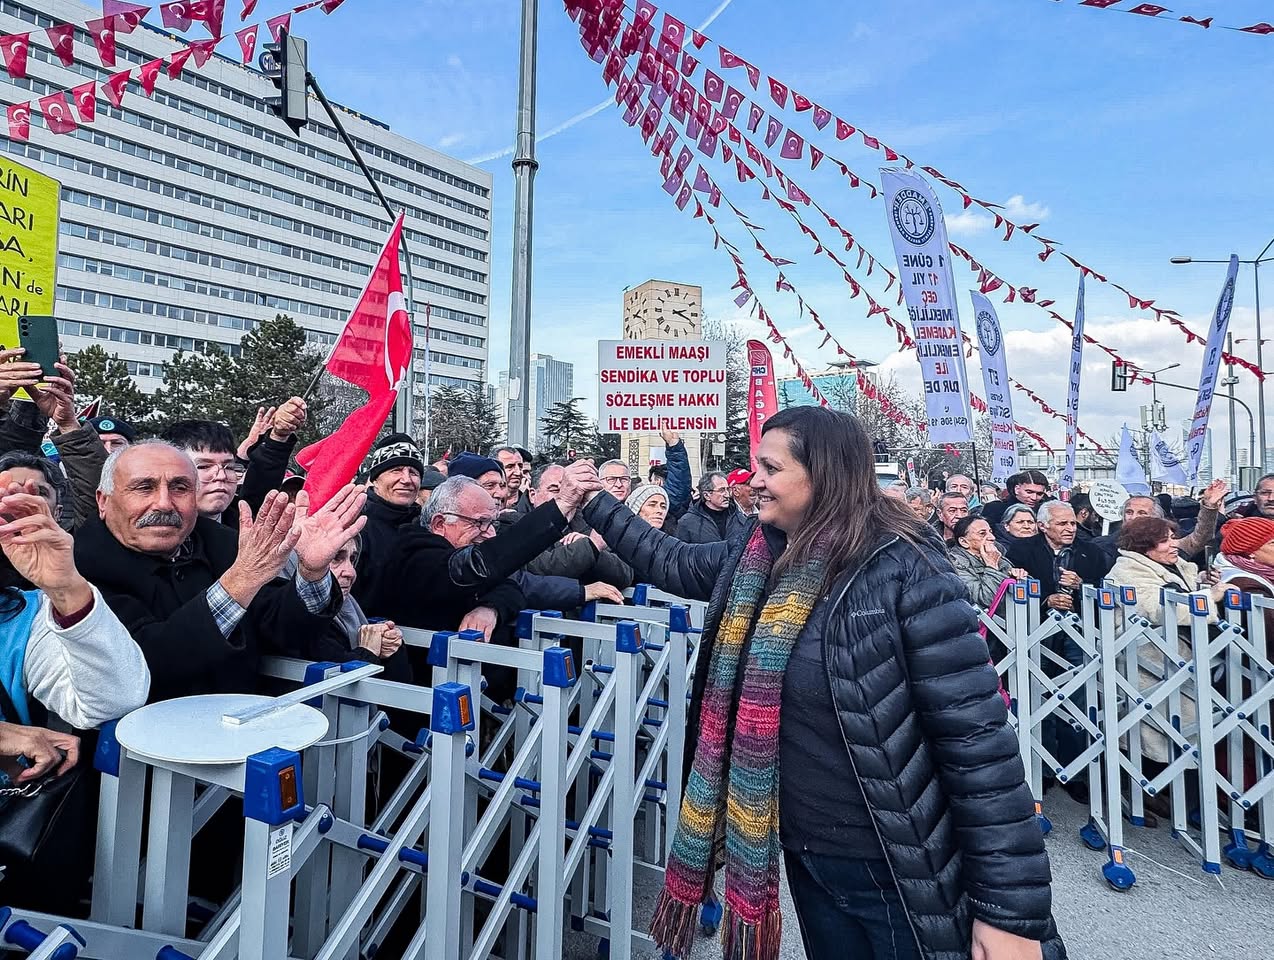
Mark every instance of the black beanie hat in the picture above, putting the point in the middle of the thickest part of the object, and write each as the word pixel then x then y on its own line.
pixel 395 450
pixel 113 425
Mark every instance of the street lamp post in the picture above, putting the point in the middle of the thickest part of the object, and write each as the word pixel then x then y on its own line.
pixel 1258 455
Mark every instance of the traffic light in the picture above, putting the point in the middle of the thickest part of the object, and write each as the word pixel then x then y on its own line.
pixel 284 63
pixel 1118 376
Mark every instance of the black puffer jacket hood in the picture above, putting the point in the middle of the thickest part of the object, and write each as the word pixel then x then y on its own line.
pixel 922 719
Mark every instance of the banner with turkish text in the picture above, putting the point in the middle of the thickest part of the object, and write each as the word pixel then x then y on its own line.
pixel 1211 367
pixel 763 400
pixel 995 379
pixel 1067 479
pixel 1165 466
pixel 924 266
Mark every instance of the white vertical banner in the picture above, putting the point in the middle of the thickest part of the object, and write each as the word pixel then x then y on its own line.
pixel 924 267
pixel 1208 375
pixel 995 378
pixel 1067 479
pixel 1128 470
pixel 1165 466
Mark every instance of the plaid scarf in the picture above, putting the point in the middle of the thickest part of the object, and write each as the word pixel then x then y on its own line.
pixel 733 788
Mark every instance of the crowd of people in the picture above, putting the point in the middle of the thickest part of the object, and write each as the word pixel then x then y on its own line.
pixel 141 568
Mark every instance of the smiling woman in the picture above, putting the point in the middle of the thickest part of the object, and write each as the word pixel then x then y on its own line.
pixel 836 623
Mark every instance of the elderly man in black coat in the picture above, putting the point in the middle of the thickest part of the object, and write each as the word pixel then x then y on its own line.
pixel 201 601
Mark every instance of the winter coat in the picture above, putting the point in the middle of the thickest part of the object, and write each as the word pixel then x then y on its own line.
pixel 1036 557
pixel 578 560
pixel 162 603
pixel 981 581
pixel 920 715
pixel 380 536
pixel 267 466
pixel 698 526
pixel 677 484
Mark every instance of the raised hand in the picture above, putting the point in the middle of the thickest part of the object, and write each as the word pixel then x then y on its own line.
pixel 260 424
pixel 288 419
pixel 1214 494
pixel 579 482
pixel 46 749
pixel 323 534
pixel 264 545
pixel 40 550
pixel 16 373
pixel 670 438
pixel 57 400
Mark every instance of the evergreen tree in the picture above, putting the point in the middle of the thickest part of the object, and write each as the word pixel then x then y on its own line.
pixel 276 362
pixel 99 374
pixel 565 428
pixel 200 386
pixel 738 375
pixel 462 420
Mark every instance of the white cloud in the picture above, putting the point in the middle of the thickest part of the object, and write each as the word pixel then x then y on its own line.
pixel 968 223
pixel 455 62
pixel 450 140
pixel 976 220
pixel 1019 210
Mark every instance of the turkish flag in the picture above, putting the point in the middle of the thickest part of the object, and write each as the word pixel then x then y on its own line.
pixel 90 411
pixel 330 5
pixel 210 13
pixel 645 12
pixel 148 72
pixel 729 60
pixel 176 15
pixel 772 130
pixel 755 114
pixel 843 130
pixel 800 103
pixel 85 98
pixel 1262 28
pixel 871 142
pixel 282 22
pixel 113 87
pixel 1148 9
pixel 668 78
pixel 674 31
pixel 816 156
pixel 14 49
pixel 126 15
pixel 57 113
pixel 62 39
pixel 683 160
pixel 1098 3
pixel 665 167
pixel 689 64
pixel 683 197
pixel 19 118
pixel 202 50
pixel 708 143
pixel 248 7
pixel 247 38
pixel 733 101
pixel 177 62
pixel 712 87
pixel 778 92
pixel 374 353
pixel 1205 23
pixel 821 116
pixel 793 146
pixel 102 30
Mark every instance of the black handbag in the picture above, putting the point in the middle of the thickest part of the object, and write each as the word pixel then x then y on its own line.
pixel 43 831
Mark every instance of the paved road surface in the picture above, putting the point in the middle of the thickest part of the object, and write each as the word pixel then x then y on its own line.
pixel 1165 916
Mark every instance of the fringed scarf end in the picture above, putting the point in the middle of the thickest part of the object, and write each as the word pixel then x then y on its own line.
pixel 744 940
pixel 673 925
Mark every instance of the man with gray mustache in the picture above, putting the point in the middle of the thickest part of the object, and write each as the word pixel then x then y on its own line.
pixel 202 602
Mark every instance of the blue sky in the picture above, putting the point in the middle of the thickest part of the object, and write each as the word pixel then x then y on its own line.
pixel 1132 140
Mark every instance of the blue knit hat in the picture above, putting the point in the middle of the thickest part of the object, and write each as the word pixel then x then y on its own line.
pixel 473 466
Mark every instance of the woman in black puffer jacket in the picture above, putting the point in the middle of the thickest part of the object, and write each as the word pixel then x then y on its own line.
pixel 839 648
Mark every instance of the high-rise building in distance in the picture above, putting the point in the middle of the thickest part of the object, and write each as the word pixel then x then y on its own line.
pixel 190 216
pixel 552 381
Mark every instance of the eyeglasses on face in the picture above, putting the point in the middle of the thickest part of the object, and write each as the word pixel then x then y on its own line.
pixel 232 469
pixel 481 524
pixel 617 481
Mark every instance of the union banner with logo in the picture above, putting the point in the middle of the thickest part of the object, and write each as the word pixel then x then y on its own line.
pixel 763 400
pixel 995 378
pixel 1211 367
pixel 924 267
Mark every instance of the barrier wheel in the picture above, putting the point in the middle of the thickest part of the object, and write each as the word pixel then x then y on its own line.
pixel 1118 875
pixel 1092 836
pixel 1263 862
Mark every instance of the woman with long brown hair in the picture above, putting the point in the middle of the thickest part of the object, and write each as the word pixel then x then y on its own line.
pixel 845 724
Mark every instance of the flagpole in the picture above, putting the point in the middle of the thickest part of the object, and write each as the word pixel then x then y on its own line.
pixel 524 167
pixel 403 406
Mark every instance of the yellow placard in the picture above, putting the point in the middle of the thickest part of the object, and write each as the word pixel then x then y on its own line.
pixel 28 245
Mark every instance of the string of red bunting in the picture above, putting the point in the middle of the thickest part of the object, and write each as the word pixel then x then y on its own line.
pixel 702 121
pixel 1154 11
pixel 119 17
pixel 601 23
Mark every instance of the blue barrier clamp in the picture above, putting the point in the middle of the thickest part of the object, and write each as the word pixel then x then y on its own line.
pixel 640 595
pixel 272 788
pixel 1237 600
pixel 172 953
pixel 552 615
pixel 106 755
pixel 476 636
pixel 679 618
pixel 438 648
pixel 588 613
pixel 1199 604
pixel 1019 593
pixel 627 637
pixel 559 667
pixel 22 934
pixel 523 628
pixel 315 672
pixel 1033 588
pixel 452 709
pixel 1106 598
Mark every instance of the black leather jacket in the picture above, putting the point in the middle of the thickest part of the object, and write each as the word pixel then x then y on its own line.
pixel 921 717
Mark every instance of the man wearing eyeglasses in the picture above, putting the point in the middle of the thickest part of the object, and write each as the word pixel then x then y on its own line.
pixel 453 573
pixel 616 479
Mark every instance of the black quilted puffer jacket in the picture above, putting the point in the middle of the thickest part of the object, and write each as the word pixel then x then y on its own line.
pixel 921 717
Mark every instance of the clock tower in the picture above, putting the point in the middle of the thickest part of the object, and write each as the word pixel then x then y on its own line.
pixel 661 310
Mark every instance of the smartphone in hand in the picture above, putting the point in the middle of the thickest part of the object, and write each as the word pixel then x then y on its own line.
pixel 39 335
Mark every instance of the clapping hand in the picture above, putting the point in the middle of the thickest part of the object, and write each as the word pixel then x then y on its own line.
pixel 260 424
pixel 322 534
pixel 40 550
pixel 264 544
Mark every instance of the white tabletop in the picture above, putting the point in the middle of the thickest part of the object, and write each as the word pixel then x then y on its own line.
pixel 191 729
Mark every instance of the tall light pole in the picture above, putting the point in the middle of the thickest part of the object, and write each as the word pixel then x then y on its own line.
pixel 1258 456
pixel 524 167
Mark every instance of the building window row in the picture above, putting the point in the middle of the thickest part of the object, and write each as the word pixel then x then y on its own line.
pixel 446 313
pixel 169 311
pixel 442 380
pixel 145 338
pixel 164 158
pixel 461 338
pixel 220 90
pixel 437 356
pixel 138 368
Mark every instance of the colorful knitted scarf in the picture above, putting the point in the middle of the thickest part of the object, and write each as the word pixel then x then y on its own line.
pixel 733 788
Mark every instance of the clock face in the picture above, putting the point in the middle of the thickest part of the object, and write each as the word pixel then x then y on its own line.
pixel 675 312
